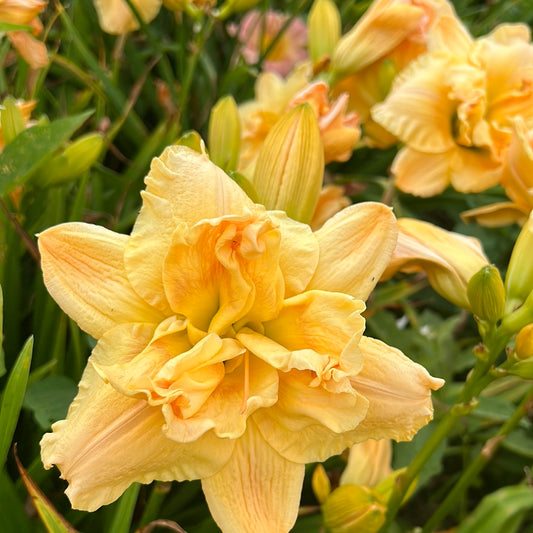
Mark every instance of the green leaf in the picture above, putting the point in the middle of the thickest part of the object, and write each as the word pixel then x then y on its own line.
pixel 14 516
pixel 2 355
pixel 49 399
pixel 12 398
pixel 52 520
pixel 31 147
pixel 124 510
pixel 499 512
pixel 6 26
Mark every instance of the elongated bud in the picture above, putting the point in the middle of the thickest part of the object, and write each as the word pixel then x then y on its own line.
pixel 324 29
pixel 290 165
pixel 519 278
pixel 321 484
pixel 524 342
pixel 354 509
pixel 77 158
pixel 192 140
pixel 486 294
pixel 224 134
pixel 12 120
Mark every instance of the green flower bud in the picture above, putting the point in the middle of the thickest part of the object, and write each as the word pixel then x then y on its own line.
pixel 76 158
pixel 324 28
pixel 486 294
pixel 354 509
pixel 224 134
pixel 290 166
pixel 519 278
pixel 12 120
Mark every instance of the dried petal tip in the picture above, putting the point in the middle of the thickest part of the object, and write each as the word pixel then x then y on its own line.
pixel 486 294
pixel 354 509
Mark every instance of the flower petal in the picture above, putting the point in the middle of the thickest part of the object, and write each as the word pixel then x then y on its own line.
pixel 182 186
pixel 355 247
pixel 398 393
pixel 418 110
pixel 116 17
pixel 496 215
pixel 109 441
pixel 83 269
pixel 257 490
pixel 420 173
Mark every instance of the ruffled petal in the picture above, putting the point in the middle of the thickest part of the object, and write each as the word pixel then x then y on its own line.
pixel 398 393
pixel 83 269
pixel 474 170
pixel 257 490
pixel 355 247
pixel 418 110
pixel 109 441
pixel 182 186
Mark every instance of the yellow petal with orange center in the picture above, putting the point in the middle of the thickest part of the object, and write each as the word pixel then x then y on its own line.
pixel 182 186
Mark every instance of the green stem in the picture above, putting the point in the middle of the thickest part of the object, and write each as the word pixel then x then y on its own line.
pixel 478 464
pixel 478 379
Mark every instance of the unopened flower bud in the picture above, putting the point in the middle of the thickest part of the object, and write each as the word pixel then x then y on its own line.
pixel 321 484
pixel 524 342
pixel 324 29
pixel 486 294
pixel 290 166
pixel 354 509
pixel 77 158
pixel 519 278
pixel 12 120
pixel 224 134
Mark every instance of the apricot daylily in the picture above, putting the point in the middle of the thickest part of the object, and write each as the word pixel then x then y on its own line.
pixel 116 17
pixel 453 107
pixel 516 180
pixel 339 129
pixel 229 346
pixel 384 41
pixel 449 259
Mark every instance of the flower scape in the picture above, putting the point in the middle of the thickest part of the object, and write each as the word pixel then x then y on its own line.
pixel 265 267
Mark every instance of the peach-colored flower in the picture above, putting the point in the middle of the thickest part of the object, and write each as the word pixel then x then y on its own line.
pixel 25 12
pixel 449 259
pixel 453 108
pixel 330 201
pixel 274 96
pixel 390 35
pixel 516 180
pixel 258 30
pixel 116 17
pixel 229 346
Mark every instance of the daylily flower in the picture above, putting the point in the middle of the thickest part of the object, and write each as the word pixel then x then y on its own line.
pixel 453 108
pixel 516 180
pixel 389 36
pixel 449 259
pixel 25 12
pixel 116 17
pixel 257 32
pixel 229 346
pixel 330 201
pixel 369 463
pixel 274 96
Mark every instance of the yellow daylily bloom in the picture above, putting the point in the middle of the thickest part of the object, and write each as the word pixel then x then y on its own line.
pixel 516 180
pixel 369 463
pixel 116 17
pixel 229 349
pixel 389 36
pixel 449 259
pixel 453 108
pixel 330 201
pixel 339 128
